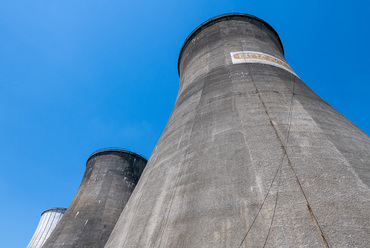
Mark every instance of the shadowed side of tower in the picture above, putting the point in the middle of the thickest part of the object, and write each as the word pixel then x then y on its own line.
pixel 49 219
pixel 109 179
pixel 250 157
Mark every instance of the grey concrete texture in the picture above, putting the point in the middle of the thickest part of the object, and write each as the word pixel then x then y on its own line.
pixel 48 221
pixel 110 177
pixel 250 156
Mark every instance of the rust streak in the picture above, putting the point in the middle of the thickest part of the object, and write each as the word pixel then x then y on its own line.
pixel 313 217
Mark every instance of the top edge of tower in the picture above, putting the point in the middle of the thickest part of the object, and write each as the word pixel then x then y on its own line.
pixel 114 150
pixel 53 209
pixel 222 18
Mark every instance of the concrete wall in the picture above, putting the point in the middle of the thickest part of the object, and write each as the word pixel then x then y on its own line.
pixel 109 179
pixel 250 157
pixel 49 220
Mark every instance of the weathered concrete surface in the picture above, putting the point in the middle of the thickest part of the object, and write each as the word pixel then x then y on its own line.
pixel 250 157
pixel 49 219
pixel 109 179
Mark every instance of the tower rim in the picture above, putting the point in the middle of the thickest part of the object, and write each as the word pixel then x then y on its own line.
pixel 219 18
pixel 51 209
pixel 112 150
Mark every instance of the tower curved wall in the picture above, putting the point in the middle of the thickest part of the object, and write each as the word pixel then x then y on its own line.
pixel 109 179
pixel 48 221
pixel 250 156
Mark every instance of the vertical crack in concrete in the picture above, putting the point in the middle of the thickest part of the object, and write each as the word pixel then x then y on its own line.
pixel 273 179
pixel 283 147
pixel 273 214
pixel 263 202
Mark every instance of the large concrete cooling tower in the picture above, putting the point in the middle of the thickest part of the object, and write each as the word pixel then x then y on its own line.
pixel 109 179
pixel 49 219
pixel 250 157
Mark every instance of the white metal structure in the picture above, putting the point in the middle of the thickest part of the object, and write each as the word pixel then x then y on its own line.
pixel 49 219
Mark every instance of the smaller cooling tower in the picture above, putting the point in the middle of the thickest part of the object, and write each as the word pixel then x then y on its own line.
pixel 110 177
pixel 49 219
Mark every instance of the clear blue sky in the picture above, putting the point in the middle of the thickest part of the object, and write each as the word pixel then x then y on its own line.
pixel 77 76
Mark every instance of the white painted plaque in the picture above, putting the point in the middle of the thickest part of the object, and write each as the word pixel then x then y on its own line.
pixel 258 57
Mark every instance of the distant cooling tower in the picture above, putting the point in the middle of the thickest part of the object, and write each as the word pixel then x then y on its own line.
pixel 109 179
pixel 49 219
pixel 250 157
